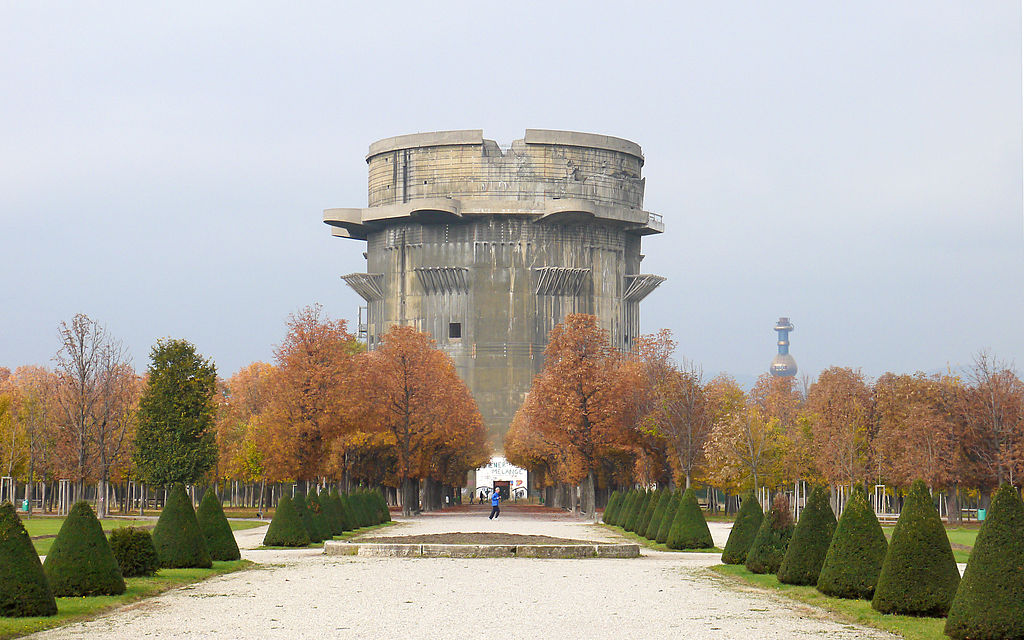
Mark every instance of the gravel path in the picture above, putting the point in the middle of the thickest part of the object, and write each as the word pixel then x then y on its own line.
pixel 304 594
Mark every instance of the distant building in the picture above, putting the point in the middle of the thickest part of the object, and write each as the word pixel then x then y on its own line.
pixel 783 364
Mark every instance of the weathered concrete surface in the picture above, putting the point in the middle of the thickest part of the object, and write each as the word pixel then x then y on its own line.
pixel 560 551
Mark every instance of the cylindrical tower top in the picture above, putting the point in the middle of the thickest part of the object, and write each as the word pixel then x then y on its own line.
pixel 783 365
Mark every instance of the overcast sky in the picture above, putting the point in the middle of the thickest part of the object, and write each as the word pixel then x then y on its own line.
pixel 855 166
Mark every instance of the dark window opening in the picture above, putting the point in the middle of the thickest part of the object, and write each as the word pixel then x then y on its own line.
pixel 454 329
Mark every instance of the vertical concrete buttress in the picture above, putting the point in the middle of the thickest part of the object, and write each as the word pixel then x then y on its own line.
pixel 488 249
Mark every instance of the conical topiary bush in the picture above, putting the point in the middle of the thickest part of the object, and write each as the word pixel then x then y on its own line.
pixel 811 539
pixel 644 520
pixel 989 603
pixel 24 590
pixel 919 575
pixel 134 551
pixel 286 528
pixel 385 513
pixel 178 540
pixel 299 503
pixel 316 512
pixel 331 512
pixel 220 540
pixel 622 513
pixel 609 509
pixel 772 539
pixel 637 511
pixel 668 518
pixel 80 562
pixel 744 530
pixel 689 528
pixel 659 512
pixel 854 558
pixel 348 508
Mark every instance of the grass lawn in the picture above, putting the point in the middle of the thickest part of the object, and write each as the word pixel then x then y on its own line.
pixel 49 526
pixel 856 611
pixel 962 539
pixel 651 544
pixel 74 609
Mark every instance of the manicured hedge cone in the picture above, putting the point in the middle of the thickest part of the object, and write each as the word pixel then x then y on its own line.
pixel 134 551
pixel 644 520
pixel 178 540
pixel 919 576
pixel 24 590
pixel 220 541
pixel 609 509
pixel 299 503
pixel 811 539
pixel 744 530
pixel 989 603
pixel 286 528
pixel 80 562
pixel 637 512
pixel 330 507
pixel 622 514
pixel 855 557
pixel 668 518
pixel 316 512
pixel 689 529
pixel 348 508
pixel 659 513
pixel 769 546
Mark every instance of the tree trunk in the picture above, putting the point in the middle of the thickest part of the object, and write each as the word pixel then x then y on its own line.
pixel 410 496
pixel 589 497
pixel 953 514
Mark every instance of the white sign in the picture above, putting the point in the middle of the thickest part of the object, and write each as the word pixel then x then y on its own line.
pixel 500 470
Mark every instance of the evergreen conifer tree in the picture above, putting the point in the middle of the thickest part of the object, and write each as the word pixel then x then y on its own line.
pixel 24 590
pixel 609 509
pixel 855 556
pixel 989 603
pixel 286 529
pixel 80 562
pixel 644 520
pixel 637 511
pixel 220 540
pixel 668 518
pixel 348 508
pixel 178 540
pixel 331 512
pixel 651 533
pixel 689 529
pixel 316 512
pixel 744 530
pixel 811 539
pixel 301 507
pixel 919 575
pixel 385 514
pixel 622 514
pixel 769 546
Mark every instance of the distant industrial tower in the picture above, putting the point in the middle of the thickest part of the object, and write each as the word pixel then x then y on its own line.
pixel 783 365
pixel 489 248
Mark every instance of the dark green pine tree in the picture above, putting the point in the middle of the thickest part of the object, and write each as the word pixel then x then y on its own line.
pixel 811 539
pixel 650 507
pixel 744 530
pixel 609 509
pixel 220 540
pixel 24 590
pixel 174 441
pixel 659 513
pixel 80 562
pixel 177 537
pixel 989 603
pixel 689 528
pixel 301 507
pixel 769 546
pixel 854 558
pixel 668 518
pixel 286 528
pixel 919 575
pixel 316 512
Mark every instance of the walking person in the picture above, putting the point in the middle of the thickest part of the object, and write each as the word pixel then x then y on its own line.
pixel 495 499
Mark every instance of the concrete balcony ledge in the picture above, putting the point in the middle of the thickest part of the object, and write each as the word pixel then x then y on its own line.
pixel 551 551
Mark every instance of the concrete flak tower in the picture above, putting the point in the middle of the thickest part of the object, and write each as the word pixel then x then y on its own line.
pixel 783 364
pixel 487 249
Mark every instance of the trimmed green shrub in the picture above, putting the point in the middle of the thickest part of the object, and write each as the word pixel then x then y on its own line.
pixel 177 537
pixel 638 509
pixel 854 558
pixel 80 562
pixel 919 575
pixel 769 545
pixel 24 590
pixel 286 529
pixel 644 520
pixel 689 529
pixel 628 502
pixel 668 518
pixel 299 503
pixel 134 551
pixel 220 540
pixel 744 530
pixel 609 509
pixel 316 512
pixel 989 603
pixel 811 539
pixel 659 513
pixel 385 513
pixel 348 508
pixel 330 509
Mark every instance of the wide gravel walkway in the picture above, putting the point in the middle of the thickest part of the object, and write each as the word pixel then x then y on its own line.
pixel 304 594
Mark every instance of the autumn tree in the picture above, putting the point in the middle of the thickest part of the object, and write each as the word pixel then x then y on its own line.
pixel 240 434
pixel 839 406
pixel 993 409
pixel 744 439
pixel 32 389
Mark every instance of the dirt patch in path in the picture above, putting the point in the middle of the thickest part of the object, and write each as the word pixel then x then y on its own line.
pixel 472 538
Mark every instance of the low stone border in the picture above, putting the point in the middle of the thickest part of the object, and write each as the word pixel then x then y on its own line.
pixel 398 550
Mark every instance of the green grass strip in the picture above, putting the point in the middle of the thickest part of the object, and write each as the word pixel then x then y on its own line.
pixel 651 544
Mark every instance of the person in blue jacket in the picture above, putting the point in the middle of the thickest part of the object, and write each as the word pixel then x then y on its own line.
pixel 495 499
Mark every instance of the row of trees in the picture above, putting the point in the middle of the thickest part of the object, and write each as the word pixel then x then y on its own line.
pixel 323 411
pixel 597 416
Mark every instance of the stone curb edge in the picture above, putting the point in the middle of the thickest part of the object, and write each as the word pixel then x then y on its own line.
pixel 560 551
